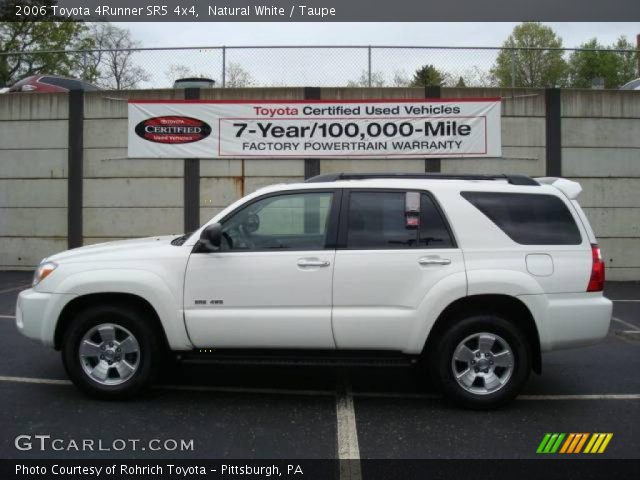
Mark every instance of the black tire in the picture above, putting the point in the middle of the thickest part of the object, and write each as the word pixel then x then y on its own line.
pixel 149 358
pixel 464 328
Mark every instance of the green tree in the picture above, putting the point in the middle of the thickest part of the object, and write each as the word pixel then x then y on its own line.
pixel 428 76
pixel 598 61
pixel 25 36
pixel 528 58
pixel 628 59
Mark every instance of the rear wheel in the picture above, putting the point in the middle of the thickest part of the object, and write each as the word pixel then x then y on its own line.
pixel 482 361
pixel 111 352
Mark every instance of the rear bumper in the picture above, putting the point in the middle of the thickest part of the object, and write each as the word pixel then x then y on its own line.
pixel 570 320
pixel 37 314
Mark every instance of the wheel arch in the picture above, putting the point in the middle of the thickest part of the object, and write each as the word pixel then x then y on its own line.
pixel 507 306
pixel 128 300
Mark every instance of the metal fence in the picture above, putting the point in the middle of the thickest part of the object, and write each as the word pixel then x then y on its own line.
pixel 329 66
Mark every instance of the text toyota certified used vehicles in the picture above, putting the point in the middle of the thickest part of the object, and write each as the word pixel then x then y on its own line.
pixel 471 277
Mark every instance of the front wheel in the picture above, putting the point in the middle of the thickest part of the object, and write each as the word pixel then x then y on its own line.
pixel 482 362
pixel 111 352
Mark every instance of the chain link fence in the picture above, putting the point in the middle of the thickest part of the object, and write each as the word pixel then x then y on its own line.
pixel 336 66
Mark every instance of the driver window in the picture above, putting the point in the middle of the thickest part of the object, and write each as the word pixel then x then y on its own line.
pixel 296 221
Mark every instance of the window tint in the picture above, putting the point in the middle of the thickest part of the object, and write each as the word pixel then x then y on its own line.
pixel 529 219
pixel 378 220
pixel 433 231
pixel 284 222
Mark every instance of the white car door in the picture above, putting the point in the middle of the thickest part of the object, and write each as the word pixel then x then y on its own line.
pixel 385 266
pixel 270 283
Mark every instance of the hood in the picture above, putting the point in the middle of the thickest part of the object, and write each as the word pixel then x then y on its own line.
pixel 114 250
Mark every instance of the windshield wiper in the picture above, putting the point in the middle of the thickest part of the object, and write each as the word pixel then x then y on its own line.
pixel 179 241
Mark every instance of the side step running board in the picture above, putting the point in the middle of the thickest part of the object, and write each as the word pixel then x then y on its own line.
pixel 361 359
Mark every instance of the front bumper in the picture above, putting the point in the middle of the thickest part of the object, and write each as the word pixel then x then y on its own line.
pixel 37 314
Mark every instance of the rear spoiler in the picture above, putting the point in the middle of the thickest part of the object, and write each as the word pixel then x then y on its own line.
pixel 570 188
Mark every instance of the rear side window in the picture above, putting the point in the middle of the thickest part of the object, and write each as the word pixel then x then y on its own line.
pixel 377 220
pixel 528 219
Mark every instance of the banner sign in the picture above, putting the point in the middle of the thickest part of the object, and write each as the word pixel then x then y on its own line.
pixel 315 129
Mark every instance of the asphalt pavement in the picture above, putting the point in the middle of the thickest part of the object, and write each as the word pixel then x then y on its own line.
pixel 262 412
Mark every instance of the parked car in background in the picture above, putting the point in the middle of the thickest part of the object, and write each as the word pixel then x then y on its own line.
pixel 632 85
pixel 51 84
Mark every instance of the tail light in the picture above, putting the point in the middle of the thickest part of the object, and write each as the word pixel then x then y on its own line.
pixel 596 282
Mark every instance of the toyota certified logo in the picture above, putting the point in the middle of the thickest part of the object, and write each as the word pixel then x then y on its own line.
pixel 173 129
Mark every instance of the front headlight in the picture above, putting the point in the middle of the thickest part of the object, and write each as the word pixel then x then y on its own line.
pixel 43 271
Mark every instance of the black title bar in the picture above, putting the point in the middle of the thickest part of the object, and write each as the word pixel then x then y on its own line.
pixel 321 10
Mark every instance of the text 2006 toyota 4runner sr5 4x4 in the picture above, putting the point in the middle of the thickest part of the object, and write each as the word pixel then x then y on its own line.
pixel 470 277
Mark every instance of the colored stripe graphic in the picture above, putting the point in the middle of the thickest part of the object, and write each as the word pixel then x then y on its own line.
pixel 567 443
pixel 574 443
pixel 544 441
pixel 598 443
pixel 583 439
pixel 550 443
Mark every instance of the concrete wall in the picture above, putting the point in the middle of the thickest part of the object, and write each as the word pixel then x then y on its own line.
pixel 33 173
pixel 601 149
pixel 129 198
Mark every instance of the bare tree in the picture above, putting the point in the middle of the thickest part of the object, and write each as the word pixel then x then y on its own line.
pixel 111 66
pixel 400 79
pixel 178 70
pixel 237 77
pixel 377 80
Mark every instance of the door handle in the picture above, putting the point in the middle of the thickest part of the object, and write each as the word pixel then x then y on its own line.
pixel 313 262
pixel 434 261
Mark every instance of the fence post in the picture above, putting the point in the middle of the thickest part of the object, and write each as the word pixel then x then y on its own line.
pixel 75 162
pixel 224 66
pixel 432 165
pixel 191 180
pixel 369 63
pixel 553 131
pixel 84 65
pixel 311 165
pixel 513 68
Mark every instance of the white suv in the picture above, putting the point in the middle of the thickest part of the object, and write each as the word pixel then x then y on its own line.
pixel 470 277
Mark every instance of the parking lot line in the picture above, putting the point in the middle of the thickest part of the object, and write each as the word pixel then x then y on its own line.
pixel 347 433
pixel 595 396
pixel 630 325
pixel 13 289
pixel 46 381
pixel 635 300
pixel 345 400
pixel 8 316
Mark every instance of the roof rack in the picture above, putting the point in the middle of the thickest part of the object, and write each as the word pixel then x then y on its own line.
pixel 512 179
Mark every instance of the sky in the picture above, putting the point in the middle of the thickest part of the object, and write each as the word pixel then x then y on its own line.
pixel 273 67
pixel 438 34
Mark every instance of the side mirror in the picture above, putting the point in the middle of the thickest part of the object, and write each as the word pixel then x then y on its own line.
pixel 211 237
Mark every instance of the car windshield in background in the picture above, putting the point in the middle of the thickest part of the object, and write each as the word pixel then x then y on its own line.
pixel 68 83
pixel 632 85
